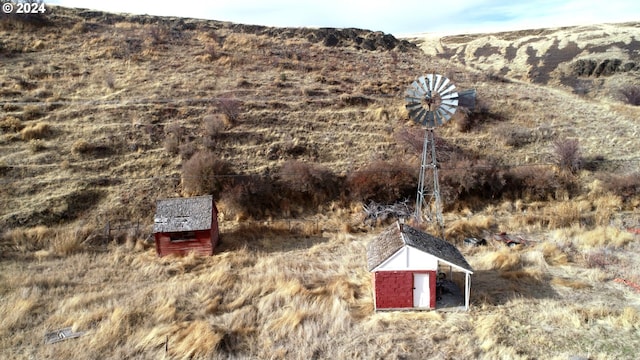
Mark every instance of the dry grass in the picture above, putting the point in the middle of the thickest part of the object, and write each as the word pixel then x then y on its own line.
pixel 278 288
pixel 600 236
pixel 39 130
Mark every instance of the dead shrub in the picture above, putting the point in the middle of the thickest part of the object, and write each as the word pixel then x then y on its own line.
pixel 81 146
pixel 188 149
pixel 505 259
pixel 531 183
pixel 516 136
pixel 213 125
pixel 462 178
pixel 627 186
pixel 37 145
pixel 411 137
pixel 567 213
pixel 40 130
pixel 308 184
pixel 567 155
pixel 230 107
pixel 172 145
pixel 31 112
pixel 253 196
pixel 473 227
pixel 467 120
pixel 600 259
pixel 11 124
pixel 157 35
pixel 204 173
pixel 382 182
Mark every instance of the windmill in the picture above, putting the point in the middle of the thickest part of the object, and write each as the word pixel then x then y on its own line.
pixel 431 101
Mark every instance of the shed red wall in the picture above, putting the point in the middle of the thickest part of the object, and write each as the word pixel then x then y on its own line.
pixel 394 289
pixel 201 244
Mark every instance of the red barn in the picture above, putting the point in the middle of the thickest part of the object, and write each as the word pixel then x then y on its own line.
pixel 405 263
pixel 184 225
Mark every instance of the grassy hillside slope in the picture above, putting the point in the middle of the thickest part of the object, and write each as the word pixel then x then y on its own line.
pixel 103 113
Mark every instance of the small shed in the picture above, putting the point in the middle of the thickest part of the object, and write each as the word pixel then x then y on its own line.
pixel 405 263
pixel 184 225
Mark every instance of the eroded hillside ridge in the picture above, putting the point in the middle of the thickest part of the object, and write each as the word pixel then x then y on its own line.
pixel 332 37
pixel 574 57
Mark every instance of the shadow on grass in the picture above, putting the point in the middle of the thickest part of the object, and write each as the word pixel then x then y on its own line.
pixel 494 287
pixel 269 238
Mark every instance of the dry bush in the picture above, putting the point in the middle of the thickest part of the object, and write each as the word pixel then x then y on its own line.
pixel 187 149
pixel 462 178
pixel 467 120
pixel 600 236
pixel 567 213
pixel 473 227
pixel 204 173
pixel 230 107
pixel 382 181
pixel 606 206
pixel 626 186
pixel 516 136
pixel 28 239
pixel 631 94
pixel 11 124
pixel 604 236
pixel 213 125
pixel 531 183
pixel 553 254
pixel 157 35
pixel 566 155
pixel 31 112
pixel 600 258
pixel 172 145
pixel 253 196
pixel 81 146
pixel 504 259
pixel 40 130
pixel 59 241
pixel 411 137
pixel 37 145
pixel 308 184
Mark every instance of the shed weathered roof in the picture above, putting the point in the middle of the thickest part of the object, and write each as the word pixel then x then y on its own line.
pixel 183 214
pixel 396 236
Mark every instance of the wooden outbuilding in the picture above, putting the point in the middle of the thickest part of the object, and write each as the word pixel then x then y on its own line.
pixel 406 264
pixel 184 225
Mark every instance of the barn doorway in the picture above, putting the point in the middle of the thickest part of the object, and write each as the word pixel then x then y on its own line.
pixel 421 292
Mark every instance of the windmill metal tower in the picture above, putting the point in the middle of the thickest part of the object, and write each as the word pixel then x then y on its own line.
pixel 431 101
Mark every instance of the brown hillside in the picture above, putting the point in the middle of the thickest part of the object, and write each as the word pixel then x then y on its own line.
pixel 293 131
pixel 596 61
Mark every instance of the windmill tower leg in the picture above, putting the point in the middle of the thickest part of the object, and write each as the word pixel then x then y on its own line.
pixel 423 169
pixel 429 162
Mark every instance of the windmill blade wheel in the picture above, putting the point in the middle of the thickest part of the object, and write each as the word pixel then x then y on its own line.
pixel 431 100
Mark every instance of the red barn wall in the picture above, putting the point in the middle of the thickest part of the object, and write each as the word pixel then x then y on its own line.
pixel 202 244
pixel 394 289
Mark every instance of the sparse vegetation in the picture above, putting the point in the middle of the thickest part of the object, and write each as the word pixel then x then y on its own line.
pixel 289 131
pixel 204 173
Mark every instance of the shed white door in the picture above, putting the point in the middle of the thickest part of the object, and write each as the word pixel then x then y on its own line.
pixel 421 296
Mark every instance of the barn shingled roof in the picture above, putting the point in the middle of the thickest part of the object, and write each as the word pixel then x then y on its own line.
pixel 183 214
pixel 396 236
